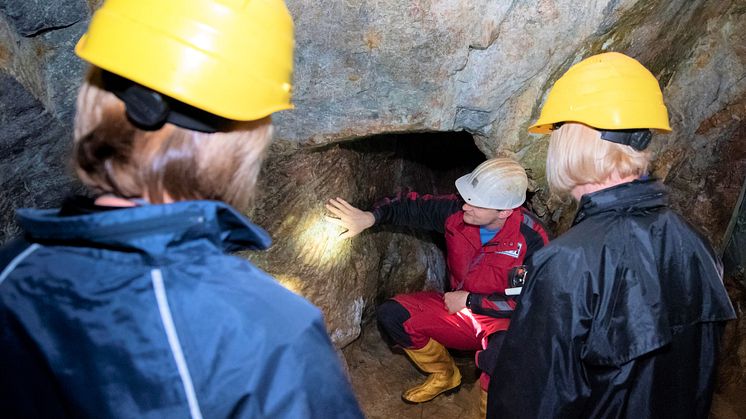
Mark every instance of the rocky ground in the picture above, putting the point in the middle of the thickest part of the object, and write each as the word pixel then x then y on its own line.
pixel 380 374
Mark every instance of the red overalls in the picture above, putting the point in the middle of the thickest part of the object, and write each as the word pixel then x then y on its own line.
pixel 474 268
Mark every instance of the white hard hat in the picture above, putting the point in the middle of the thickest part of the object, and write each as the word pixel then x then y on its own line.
pixel 497 183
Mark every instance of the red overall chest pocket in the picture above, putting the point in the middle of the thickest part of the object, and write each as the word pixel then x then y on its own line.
pixel 488 272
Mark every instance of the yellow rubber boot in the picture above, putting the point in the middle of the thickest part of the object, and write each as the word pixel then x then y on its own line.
pixel 482 404
pixel 434 359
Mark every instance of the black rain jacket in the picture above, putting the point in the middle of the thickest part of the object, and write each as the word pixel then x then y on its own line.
pixel 621 317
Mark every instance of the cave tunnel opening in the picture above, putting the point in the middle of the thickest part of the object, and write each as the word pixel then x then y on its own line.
pixel 422 162
pixel 400 164
pixel 307 255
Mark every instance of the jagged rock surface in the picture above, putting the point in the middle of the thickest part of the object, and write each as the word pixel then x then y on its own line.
pixel 346 278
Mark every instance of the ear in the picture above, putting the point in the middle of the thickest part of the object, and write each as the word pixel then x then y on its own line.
pixel 504 214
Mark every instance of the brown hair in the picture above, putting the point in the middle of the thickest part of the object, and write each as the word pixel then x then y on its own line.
pixel 112 155
pixel 577 156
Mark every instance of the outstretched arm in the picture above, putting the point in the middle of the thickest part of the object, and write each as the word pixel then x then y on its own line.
pixel 411 210
pixel 353 219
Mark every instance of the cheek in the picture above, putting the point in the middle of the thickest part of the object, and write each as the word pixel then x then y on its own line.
pixel 479 215
pixel 472 218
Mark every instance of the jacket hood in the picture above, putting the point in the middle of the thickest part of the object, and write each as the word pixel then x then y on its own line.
pixel 638 195
pixel 148 228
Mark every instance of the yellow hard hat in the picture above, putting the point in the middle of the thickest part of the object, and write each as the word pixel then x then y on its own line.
pixel 231 58
pixel 608 91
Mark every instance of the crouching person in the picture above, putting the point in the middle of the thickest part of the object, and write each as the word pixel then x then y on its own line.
pixel 488 235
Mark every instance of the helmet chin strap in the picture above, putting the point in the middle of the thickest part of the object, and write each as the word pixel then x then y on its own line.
pixel 635 138
pixel 149 110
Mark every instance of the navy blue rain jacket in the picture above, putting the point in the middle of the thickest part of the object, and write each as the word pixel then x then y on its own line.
pixel 621 317
pixel 140 313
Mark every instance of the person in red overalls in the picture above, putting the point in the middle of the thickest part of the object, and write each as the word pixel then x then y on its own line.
pixel 489 236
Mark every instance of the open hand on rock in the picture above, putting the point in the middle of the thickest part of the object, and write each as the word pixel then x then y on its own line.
pixel 349 217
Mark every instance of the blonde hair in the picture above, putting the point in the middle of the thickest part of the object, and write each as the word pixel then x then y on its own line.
pixel 111 155
pixel 577 156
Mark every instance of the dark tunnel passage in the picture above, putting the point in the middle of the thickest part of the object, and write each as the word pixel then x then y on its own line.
pixel 295 184
pixel 418 163
pixel 427 162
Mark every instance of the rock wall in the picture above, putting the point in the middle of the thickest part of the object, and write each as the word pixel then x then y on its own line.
pixel 734 256
pixel 39 76
pixel 346 278
pixel 380 67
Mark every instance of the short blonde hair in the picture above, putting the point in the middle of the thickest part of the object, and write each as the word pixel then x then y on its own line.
pixel 577 156
pixel 111 155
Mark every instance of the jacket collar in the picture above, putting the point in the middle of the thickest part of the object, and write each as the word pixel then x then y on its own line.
pixel 634 196
pixel 149 228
